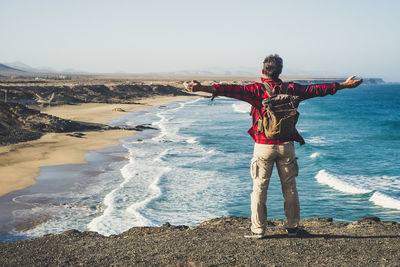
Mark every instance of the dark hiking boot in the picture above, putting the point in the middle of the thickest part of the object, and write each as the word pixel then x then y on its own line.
pixel 292 232
pixel 255 236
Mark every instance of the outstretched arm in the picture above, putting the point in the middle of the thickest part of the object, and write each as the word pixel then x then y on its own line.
pixel 195 86
pixel 314 90
pixel 250 93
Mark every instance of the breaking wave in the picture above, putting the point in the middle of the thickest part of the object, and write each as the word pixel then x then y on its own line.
pixel 324 177
pixel 385 201
pixel 241 107
pixel 315 155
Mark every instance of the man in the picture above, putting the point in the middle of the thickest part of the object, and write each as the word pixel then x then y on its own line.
pixel 268 151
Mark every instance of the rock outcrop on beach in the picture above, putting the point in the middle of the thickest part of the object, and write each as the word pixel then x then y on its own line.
pixel 19 123
pixel 220 241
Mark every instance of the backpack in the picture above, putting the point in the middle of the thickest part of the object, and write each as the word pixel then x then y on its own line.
pixel 278 121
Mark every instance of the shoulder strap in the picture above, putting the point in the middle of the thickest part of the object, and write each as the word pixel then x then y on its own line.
pixel 271 92
pixel 282 89
pixel 269 89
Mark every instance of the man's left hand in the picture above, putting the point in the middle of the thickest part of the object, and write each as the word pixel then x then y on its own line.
pixel 350 83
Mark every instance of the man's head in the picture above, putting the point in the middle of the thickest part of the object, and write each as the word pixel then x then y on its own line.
pixel 272 66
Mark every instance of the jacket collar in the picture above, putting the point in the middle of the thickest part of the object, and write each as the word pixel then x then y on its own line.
pixel 265 80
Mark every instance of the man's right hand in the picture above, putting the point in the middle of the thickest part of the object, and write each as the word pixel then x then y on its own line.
pixel 350 83
pixel 194 86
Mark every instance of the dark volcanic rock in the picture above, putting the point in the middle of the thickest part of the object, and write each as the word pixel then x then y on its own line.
pixel 19 123
pixel 84 93
pixel 219 241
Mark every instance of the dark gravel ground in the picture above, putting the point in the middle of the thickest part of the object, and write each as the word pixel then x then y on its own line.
pixel 220 241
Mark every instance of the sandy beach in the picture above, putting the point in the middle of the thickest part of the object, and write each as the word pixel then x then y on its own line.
pixel 20 163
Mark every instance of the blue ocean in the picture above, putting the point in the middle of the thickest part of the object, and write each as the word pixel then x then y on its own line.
pixel 194 166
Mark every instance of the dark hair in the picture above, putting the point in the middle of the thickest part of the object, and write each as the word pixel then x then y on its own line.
pixel 273 65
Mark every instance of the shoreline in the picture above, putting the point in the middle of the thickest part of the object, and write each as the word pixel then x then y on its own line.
pixel 21 163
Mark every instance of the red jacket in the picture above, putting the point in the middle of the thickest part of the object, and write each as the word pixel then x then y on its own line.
pixel 254 93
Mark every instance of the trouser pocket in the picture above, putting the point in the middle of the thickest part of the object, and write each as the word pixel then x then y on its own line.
pixel 261 168
pixel 260 171
pixel 253 168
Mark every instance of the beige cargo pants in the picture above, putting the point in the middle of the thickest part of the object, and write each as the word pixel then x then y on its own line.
pixel 262 164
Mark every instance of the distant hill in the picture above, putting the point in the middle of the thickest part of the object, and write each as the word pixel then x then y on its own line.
pixel 5 68
pixel 43 69
pixel 22 66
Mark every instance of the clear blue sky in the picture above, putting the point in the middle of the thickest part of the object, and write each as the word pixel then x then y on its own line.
pixel 334 38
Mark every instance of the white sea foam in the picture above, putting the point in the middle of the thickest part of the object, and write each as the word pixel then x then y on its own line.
pixel 358 184
pixel 161 126
pixel 241 107
pixel 385 201
pixel 191 140
pixel 138 188
pixel 103 223
pixel 164 164
pixel 190 196
pixel 192 101
pixel 315 155
pixel 338 183
pixel 316 140
pixel 127 205
pixel 136 208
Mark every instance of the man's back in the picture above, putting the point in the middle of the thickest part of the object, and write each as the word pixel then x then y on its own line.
pixel 255 93
pixel 270 150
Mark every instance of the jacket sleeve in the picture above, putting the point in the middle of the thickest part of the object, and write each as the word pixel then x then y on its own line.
pixel 251 93
pixel 310 91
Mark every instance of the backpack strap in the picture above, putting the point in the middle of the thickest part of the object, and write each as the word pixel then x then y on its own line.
pixel 278 89
pixel 283 89
pixel 271 92
pixel 268 89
